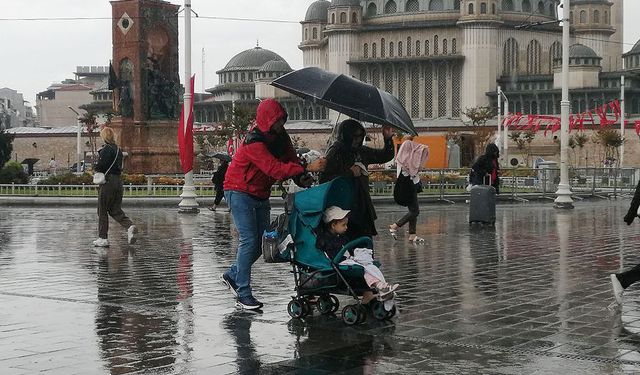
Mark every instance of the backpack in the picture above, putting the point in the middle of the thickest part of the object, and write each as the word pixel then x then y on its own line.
pixel 404 191
pixel 272 240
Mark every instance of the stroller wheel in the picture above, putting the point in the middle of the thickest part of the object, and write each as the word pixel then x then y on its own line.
pixel 362 315
pixel 351 315
pixel 298 308
pixel 378 311
pixel 335 304
pixel 325 305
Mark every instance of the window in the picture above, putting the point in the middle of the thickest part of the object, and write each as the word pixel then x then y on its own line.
pixel 541 8
pixel 583 16
pixel 402 87
pixel 343 17
pixel 388 80
pixel 555 53
pixel 242 77
pixel 333 18
pixel 436 5
pixel 412 6
pixel 456 5
pixel 510 57
pixel 250 76
pixel 533 57
pixel 235 77
pixel 606 18
pixel 372 10
pixel 456 85
pixel 365 51
pixel 306 34
pixel 409 46
pixel 399 49
pixel 552 10
pixel 374 51
pixel 493 8
pixel 354 17
pixel 442 90
pixel 418 44
pixel 315 33
pixel 596 16
pixel 383 47
pixel 435 45
pixel 454 46
pixel 375 77
pixel 445 47
pixel 390 7
pixel 415 92
pixel 526 6
pixel 391 51
pixel 428 91
pixel 483 8
pixel 471 8
pixel 426 48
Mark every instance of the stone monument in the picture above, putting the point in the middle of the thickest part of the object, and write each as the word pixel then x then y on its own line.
pixel 146 85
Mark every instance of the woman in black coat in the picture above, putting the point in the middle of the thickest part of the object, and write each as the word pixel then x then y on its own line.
pixel 218 181
pixel 347 157
pixel 487 168
pixel 621 281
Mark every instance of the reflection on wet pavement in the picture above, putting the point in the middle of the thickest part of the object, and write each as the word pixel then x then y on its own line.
pixel 529 296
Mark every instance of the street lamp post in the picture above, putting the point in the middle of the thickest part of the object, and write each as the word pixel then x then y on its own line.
pixel 78 140
pixel 563 194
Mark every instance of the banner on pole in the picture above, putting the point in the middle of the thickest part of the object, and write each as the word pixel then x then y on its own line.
pixel 185 135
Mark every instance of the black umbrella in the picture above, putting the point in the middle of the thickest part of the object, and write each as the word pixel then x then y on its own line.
pixel 222 156
pixel 347 95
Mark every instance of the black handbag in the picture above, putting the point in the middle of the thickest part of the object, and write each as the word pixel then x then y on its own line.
pixel 404 191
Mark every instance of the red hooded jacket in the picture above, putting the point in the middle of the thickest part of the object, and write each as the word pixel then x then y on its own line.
pixel 254 169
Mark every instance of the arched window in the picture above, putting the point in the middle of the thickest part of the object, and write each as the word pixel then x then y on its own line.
pixel 306 34
pixel 554 53
pixel 526 6
pixel 333 18
pixel 596 16
pixel 606 18
pixel 365 51
pixel 533 57
pixel 552 10
pixel 315 33
pixel 428 91
pixel 383 48
pixel 483 8
pixel 418 45
pixel 402 87
pixel 435 45
pixel 354 17
pixel 372 10
pixel 343 17
pixel 456 5
pixel 409 46
pixel 364 74
pixel 390 7
pixel 583 16
pixel 436 5
pixel 391 50
pixel 427 51
pixel 242 77
pixel 493 8
pixel 412 6
pixel 375 77
pixel 454 46
pixel 374 51
pixel 235 77
pixel 445 47
pixel 510 57
pixel 471 8
pixel 399 49
pixel 541 8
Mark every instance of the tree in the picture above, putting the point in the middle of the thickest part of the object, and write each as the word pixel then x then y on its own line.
pixel 90 122
pixel 217 140
pixel 523 142
pixel 611 140
pixel 6 147
pixel 481 134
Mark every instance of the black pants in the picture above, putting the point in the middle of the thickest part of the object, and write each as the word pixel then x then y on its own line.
pixel 411 217
pixel 629 277
pixel 109 204
pixel 219 194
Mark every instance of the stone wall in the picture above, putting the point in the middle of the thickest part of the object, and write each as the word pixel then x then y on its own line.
pixel 62 148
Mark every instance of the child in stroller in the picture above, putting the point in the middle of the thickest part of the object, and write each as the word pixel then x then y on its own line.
pixel 332 238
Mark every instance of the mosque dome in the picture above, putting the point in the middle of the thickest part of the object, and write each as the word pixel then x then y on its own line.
pixel 580 50
pixel 275 66
pixel 345 3
pixel 317 11
pixel 251 59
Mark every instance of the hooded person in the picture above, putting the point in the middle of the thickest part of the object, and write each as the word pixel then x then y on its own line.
pixel 347 157
pixel 487 168
pixel 265 157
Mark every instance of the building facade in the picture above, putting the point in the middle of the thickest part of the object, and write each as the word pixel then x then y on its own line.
pixel 14 110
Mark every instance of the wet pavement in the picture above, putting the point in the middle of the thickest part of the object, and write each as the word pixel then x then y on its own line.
pixel 529 296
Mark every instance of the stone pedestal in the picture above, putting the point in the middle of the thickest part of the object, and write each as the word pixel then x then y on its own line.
pixel 152 145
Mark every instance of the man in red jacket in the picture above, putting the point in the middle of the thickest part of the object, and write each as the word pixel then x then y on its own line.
pixel 266 156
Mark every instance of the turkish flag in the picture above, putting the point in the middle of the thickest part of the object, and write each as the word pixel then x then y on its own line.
pixel 185 135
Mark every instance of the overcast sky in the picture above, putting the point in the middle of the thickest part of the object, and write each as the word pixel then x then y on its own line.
pixel 33 54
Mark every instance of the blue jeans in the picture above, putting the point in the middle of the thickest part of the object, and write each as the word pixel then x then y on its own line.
pixel 251 217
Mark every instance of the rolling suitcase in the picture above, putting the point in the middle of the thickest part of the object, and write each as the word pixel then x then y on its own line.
pixel 482 206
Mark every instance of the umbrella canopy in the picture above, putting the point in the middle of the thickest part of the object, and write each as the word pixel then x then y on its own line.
pixel 347 95
pixel 221 156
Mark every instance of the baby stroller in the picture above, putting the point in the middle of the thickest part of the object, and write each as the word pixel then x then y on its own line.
pixel 317 278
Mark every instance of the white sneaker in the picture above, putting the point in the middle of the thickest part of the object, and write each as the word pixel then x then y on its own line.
pixel 101 242
pixel 131 234
pixel 617 288
pixel 387 291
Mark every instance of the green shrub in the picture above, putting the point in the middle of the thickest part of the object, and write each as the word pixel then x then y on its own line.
pixel 68 179
pixel 12 172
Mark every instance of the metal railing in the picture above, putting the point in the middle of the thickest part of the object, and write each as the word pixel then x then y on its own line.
pixel 519 184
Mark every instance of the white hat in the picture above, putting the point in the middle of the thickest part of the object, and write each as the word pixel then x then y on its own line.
pixel 334 213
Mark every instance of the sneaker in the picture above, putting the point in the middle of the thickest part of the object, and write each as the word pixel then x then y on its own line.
pixel 230 284
pixel 131 234
pixel 101 242
pixel 212 208
pixel 387 291
pixel 617 288
pixel 249 303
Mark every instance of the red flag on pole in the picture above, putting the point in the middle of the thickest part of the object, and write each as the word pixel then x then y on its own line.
pixel 185 135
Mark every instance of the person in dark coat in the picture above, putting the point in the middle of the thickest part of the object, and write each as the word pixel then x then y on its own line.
pixel 347 157
pixel 486 170
pixel 621 281
pixel 218 183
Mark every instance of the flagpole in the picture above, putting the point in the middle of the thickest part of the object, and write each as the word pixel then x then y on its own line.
pixel 188 204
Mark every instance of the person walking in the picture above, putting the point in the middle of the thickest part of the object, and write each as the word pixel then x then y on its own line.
pixel 410 160
pixel 621 281
pixel 348 157
pixel 218 183
pixel 110 193
pixel 266 156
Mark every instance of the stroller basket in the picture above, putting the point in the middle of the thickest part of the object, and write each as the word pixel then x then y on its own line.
pixel 315 280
